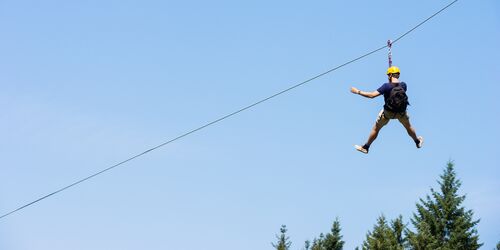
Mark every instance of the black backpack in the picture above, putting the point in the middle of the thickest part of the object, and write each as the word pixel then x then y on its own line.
pixel 398 100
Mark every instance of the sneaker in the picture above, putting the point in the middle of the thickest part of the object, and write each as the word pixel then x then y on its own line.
pixel 420 141
pixel 361 149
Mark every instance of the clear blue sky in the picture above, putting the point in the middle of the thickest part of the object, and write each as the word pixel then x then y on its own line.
pixel 86 84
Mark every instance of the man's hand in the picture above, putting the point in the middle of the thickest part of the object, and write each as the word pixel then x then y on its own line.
pixel 354 90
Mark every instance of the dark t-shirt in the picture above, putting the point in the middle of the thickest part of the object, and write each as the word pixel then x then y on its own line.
pixel 386 88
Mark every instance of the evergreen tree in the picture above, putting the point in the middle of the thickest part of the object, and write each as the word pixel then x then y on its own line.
pixel 307 244
pixel 330 241
pixel 318 244
pixel 398 228
pixel 385 237
pixel 283 240
pixel 333 240
pixel 498 245
pixel 441 222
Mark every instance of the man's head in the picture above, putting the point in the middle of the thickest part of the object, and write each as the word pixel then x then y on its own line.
pixel 393 71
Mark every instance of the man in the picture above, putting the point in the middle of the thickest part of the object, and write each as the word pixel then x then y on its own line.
pixel 394 108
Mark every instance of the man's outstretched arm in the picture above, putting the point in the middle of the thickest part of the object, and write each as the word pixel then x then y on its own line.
pixel 365 94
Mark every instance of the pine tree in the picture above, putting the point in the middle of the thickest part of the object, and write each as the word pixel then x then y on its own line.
pixel 498 245
pixel 330 241
pixel 333 240
pixel 283 240
pixel 307 244
pixel 319 244
pixel 441 222
pixel 385 237
pixel 398 228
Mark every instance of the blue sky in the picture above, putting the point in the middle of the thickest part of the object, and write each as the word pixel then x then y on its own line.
pixel 86 84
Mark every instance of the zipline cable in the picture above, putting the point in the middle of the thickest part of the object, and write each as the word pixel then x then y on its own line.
pixel 223 118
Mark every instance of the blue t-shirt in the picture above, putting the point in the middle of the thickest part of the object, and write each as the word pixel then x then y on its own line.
pixel 386 88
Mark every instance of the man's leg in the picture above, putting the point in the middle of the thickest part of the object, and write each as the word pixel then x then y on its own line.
pixel 373 135
pixel 405 121
pixel 382 120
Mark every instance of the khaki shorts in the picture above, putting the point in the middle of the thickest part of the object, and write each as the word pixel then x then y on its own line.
pixel 384 116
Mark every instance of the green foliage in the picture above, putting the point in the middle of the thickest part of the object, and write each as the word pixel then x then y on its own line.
pixel 307 245
pixel 441 222
pixel 385 236
pixel 333 240
pixel 498 245
pixel 330 241
pixel 318 244
pixel 283 242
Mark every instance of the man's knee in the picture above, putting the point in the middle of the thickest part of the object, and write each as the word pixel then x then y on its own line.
pixel 377 127
pixel 380 123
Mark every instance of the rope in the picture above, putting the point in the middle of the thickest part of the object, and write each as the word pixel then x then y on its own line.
pixel 222 118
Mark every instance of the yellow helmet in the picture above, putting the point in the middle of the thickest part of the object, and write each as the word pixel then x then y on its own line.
pixel 393 70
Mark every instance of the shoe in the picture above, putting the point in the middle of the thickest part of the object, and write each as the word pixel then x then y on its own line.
pixel 361 149
pixel 420 141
